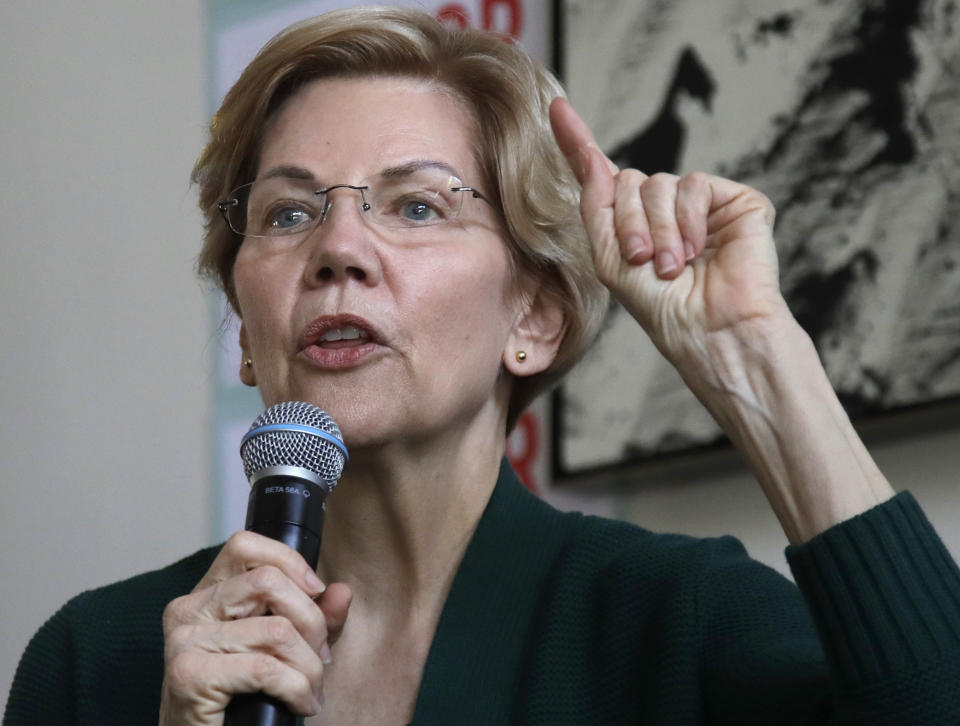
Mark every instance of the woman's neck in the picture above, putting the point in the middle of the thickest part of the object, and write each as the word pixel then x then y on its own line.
pixel 399 522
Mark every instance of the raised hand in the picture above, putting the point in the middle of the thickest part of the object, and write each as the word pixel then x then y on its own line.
pixel 259 620
pixel 692 258
pixel 688 257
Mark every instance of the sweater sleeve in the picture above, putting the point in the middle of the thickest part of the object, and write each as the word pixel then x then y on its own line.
pixel 884 595
pixel 43 687
pixel 877 643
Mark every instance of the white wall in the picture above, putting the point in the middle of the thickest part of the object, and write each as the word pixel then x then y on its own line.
pixel 106 347
pixel 103 380
pixel 713 494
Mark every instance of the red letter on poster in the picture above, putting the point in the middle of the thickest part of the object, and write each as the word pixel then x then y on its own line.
pixel 523 447
pixel 514 11
pixel 453 13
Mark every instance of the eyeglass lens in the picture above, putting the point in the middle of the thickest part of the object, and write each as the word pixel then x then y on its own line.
pixel 285 206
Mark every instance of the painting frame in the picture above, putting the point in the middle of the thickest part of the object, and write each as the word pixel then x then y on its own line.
pixel 920 343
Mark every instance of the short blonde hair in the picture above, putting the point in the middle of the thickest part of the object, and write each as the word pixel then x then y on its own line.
pixel 524 174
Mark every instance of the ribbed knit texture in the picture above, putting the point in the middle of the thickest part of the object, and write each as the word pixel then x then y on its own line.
pixel 99 659
pixel 564 619
pixel 885 596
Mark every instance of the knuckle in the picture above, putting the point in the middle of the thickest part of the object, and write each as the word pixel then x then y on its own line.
pixel 175 613
pixel 241 543
pixel 695 180
pixel 762 204
pixel 266 578
pixel 266 669
pixel 767 205
pixel 661 180
pixel 280 633
pixel 182 672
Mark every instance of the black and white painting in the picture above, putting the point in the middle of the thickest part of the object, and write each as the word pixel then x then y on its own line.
pixel 846 113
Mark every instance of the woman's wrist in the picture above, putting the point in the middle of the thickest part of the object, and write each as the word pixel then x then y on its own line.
pixel 766 387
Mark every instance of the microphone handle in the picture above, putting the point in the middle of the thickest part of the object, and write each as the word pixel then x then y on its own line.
pixel 288 509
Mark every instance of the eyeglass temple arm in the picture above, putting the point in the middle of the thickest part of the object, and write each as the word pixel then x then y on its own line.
pixel 474 192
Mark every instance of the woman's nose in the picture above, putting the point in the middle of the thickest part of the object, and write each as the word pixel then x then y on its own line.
pixel 343 245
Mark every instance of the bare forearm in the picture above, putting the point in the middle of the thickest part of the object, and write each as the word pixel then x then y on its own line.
pixel 768 390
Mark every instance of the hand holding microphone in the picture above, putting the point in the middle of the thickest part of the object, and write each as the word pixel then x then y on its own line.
pixel 257 622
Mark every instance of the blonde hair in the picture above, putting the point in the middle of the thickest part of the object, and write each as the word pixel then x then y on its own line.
pixel 524 173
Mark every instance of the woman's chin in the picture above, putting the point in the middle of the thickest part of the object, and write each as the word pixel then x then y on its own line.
pixel 362 426
pixel 352 412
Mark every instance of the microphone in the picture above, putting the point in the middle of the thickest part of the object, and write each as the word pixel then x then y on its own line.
pixel 293 456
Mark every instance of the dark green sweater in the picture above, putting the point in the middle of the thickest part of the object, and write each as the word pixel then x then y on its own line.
pixel 566 619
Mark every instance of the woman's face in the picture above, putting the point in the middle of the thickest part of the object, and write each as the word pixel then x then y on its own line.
pixel 424 315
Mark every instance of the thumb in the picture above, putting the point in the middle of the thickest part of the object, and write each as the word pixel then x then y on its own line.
pixel 335 602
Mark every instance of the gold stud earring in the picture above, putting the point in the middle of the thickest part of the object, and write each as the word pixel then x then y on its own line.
pixel 248 363
pixel 521 356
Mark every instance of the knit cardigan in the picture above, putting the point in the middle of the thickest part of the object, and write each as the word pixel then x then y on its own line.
pixel 560 618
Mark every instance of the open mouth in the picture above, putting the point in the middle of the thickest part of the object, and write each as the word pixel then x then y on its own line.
pixel 343 337
pixel 339 341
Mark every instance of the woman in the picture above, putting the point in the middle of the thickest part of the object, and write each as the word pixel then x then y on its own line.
pixel 396 226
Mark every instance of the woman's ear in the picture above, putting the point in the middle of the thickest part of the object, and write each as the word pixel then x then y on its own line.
pixel 247 376
pixel 536 335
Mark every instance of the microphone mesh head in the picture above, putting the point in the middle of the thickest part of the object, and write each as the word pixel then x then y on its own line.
pixel 295 448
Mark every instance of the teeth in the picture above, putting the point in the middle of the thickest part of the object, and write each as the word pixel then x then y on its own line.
pixel 348 332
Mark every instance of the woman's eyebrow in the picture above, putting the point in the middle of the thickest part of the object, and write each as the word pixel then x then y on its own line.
pixel 391 172
pixel 293 172
pixel 416 165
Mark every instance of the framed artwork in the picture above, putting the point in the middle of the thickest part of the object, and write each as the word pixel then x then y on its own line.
pixel 847 115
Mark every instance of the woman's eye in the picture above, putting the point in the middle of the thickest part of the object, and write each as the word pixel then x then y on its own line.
pixel 414 210
pixel 288 218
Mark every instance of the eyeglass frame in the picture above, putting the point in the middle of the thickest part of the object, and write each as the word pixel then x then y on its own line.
pixel 224 205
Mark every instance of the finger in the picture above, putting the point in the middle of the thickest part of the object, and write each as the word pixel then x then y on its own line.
pixel 659 195
pixel 694 195
pixel 246 551
pixel 254 593
pixel 205 682
pixel 271 634
pixel 731 202
pixel 269 590
pixel 630 220
pixel 574 138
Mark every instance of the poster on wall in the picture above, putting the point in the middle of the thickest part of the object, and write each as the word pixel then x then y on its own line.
pixel 847 115
pixel 237 29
